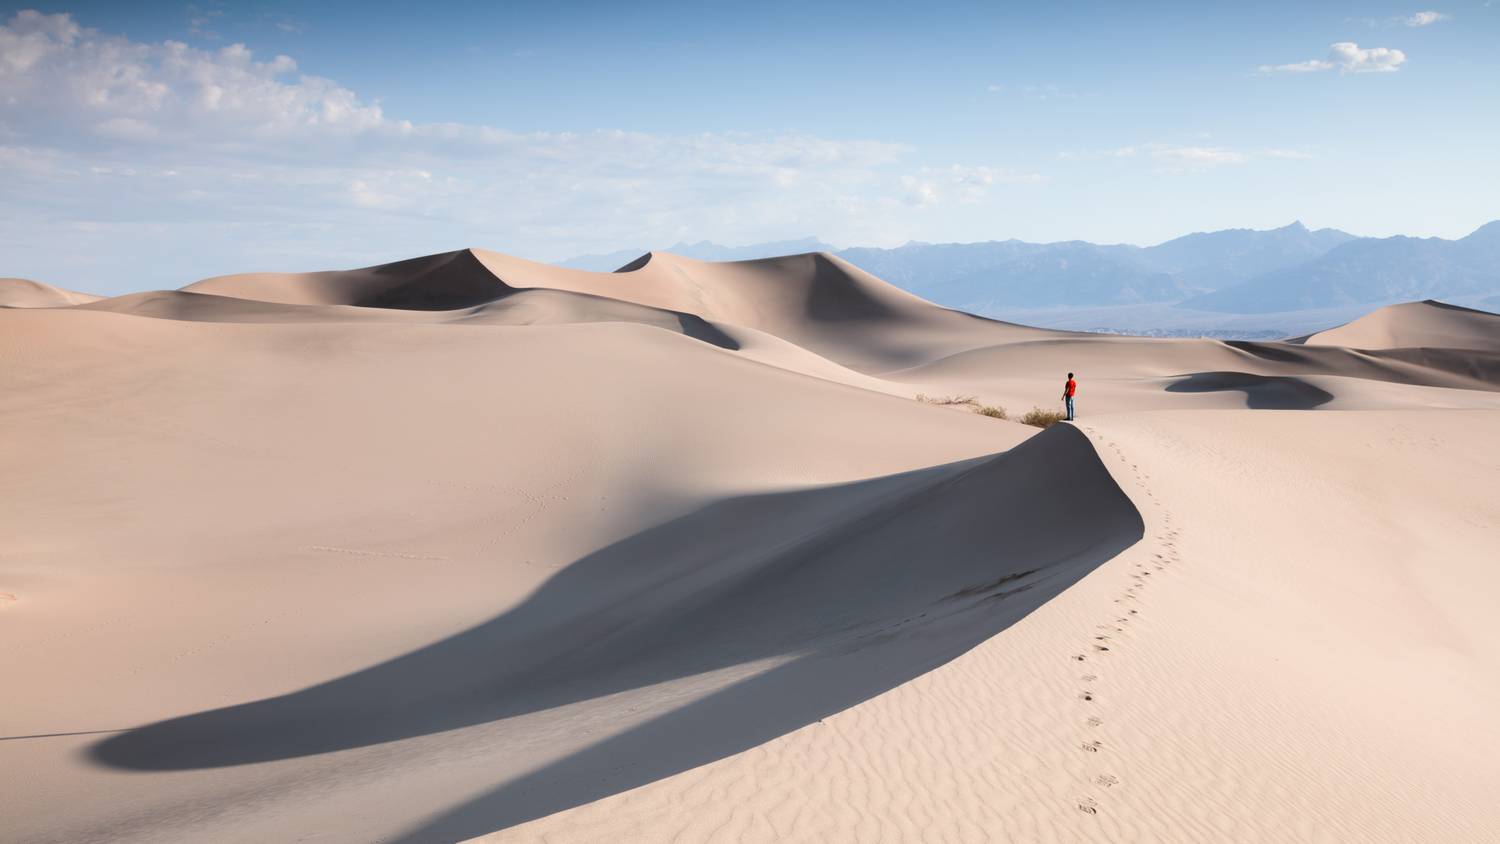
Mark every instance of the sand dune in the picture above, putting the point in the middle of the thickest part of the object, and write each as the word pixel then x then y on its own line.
pixel 514 307
pixel 817 301
pixel 1295 654
pixel 469 545
pixel 433 283
pixel 1417 324
pixel 25 293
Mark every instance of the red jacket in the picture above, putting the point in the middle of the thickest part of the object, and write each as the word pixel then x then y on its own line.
pixel 1071 388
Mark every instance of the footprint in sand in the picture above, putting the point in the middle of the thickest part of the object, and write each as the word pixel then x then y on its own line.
pixel 1094 721
pixel 1088 806
pixel 1079 657
pixel 1089 678
pixel 1100 648
pixel 1092 746
pixel 1107 780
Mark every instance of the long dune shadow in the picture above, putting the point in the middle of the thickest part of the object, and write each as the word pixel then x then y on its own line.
pixel 856 588
pixel 734 719
pixel 1262 392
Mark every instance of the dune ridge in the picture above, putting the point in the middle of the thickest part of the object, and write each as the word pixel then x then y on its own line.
pixel 1426 324
pixel 467 545
pixel 439 282
pixel 25 293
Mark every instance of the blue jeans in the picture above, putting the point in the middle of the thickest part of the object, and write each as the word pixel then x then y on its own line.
pixel 1068 400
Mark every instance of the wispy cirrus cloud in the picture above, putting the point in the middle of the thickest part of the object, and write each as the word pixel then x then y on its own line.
pixel 1345 57
pixel 1419 19
pixel 1415 20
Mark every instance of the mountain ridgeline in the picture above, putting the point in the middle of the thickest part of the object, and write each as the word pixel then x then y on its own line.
pixel 1235 271
pixel 1377 271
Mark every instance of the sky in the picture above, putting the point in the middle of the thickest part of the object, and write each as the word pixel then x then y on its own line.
pixel 147 145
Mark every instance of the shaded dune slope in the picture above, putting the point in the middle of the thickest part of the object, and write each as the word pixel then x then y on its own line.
pixel 332 505
pixel 440 282
pixel 512 307
pixel 815 300
pixel 844 599
pixel 825 317
pixel 818 315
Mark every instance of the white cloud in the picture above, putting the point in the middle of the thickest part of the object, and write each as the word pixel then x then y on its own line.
pixel 966 185
pixel 1180 158
pixel 1346 57
pixel 1351 59
pixel 1423 18
pixel 1204 156
pixel 1308 66
pixel 225 137
pixel 60 79
pixel 1284 153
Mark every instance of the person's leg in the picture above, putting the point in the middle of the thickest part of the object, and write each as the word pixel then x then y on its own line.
pixel 1069 400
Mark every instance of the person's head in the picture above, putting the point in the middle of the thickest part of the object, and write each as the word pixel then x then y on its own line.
pixel 1070 375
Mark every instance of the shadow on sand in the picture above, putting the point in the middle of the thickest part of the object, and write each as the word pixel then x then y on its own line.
pixel 854 589
pixel 1262 392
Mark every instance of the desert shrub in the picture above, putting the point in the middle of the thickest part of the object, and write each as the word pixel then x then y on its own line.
pixel 947 400
pixel 971 402
pixel 1042 418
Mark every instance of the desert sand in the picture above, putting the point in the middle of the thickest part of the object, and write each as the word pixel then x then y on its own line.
pixel 468 546
pixel 25 293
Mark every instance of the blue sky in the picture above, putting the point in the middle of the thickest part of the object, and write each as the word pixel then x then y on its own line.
pixel 146 145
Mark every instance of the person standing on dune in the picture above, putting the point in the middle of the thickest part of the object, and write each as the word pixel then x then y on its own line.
pixel 1068 390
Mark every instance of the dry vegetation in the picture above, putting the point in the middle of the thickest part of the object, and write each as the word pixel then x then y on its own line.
pixel 971 402
pixel 947 400
pixel 1042 418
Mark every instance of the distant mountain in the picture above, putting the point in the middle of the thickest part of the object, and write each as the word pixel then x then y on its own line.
pixel 703 250
pixel 1235 271
pixel 1013 273
pixel 606 262
pixel 984 277
pixel 1211 260
pixel 1372 271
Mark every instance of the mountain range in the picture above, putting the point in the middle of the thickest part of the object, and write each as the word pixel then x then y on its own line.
pixel 1234 271
pixel 1379 271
